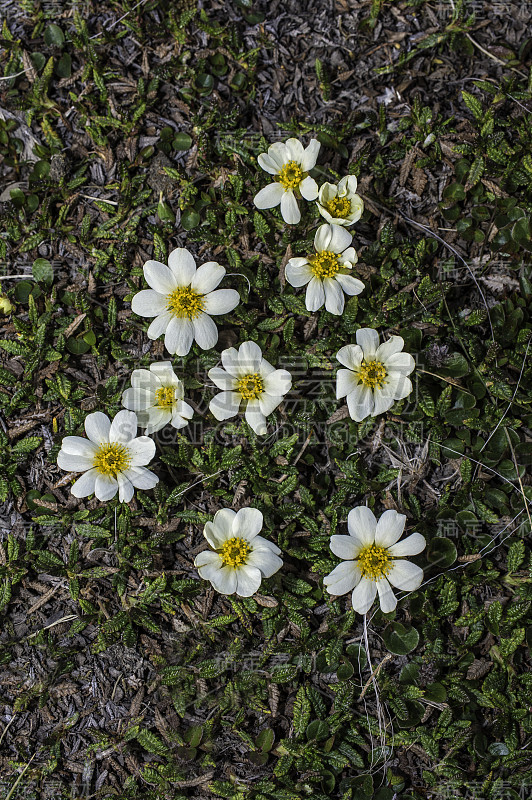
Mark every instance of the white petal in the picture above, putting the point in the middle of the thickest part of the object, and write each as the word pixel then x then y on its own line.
pixel 78 446
pixel 126 489
pixel 349 257
pixel 207 557
pixel 289 209
pixel 381 402
pixel 390 528
pixel 322 237
pixel 343 578
pixel 278 382
pixel 346 382
pixel 182 265
pixel 159 325
pixel 148 303
pixel 295 150
pixel 360 402
pixel 268 164
pixel 405 575
pixel 308 188
pixel 387 349
pixel 74 463
pixel 260 543
pixel 368 339
pixel 179 336
pixel 279 154
pixel 349 284
pixel 328 192
pixel 84 486
pixel 142 478
pixel 138 399
pixel 207 277
pixel 123 427
pixel 402 388
pixel 387 599
pixel 156 418
pixel 266 560
pixel 205 331
pixel 401 362
pixel 345 547
pixel 142 451
pixel 105 487
pixel 146 380
pixel 315 296
pixel 340 239
pixel 248 581
pixel 298 272
pixel 268 403
pixel 230 362
pixel 270 196
pixel 222 301
pixel 334 297
pixel 357 209
pixel 310 156
pixel 361 524
pixel 97 427
pixel 222 379
pixel 225 405
pixel 182 415
pixel 223 523
pixel 350 356
pixel 348 185
pixel 247 523
pixel 255 418
pixel 249 357
pixel 411 546
pixel 266 369
pixel 364 595
pixel 159 277
pixel 224 580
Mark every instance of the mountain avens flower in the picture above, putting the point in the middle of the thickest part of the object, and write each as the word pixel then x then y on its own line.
pixel 239 558
pixel 247 378
pixel 376 375
pixel 156 395
pixel 326 271
pixel 181 299
pixel 373 559
pixel 112 459
pixel 290 163
pixel 339 203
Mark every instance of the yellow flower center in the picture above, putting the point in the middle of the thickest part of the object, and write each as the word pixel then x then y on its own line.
pixel 291 175
pixel 165 396
pixel 372 374
pixel 112 459
pixel 184 302
pixel 374 562
pixel 325 264
pixel 250 386
pixel 235 552
pixel 339 207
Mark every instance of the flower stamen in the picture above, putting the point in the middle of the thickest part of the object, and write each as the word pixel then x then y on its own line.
pixel 184 302
pixel 325 264
pixel 234 552
pixel 339 207
pixel 291 175
pixel 374 562
pixel 112 459
pixel 250 386
pixel 372 374
pixel 165 396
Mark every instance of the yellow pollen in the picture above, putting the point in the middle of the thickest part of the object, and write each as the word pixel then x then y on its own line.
pixel 339 207
pixel 374 562
pixel 291 175
pixel 372 374
pixel 250 386
pixel 325 264
pixel 184 302
pixel 112 459
pixel 165 396
pixel 234 552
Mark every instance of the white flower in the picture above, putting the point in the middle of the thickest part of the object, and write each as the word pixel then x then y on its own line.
pixel 340 204
pixel 241 557
pixel 376 375
pixel 181 299
pixel 156 395
pixel 248 377
pixel 112 459
pixel 326 271
pixel 290 163
pixel 373 559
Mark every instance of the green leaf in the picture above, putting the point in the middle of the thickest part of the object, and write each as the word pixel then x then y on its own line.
pixel 400 639
pixel 43 271
pixel 54 36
